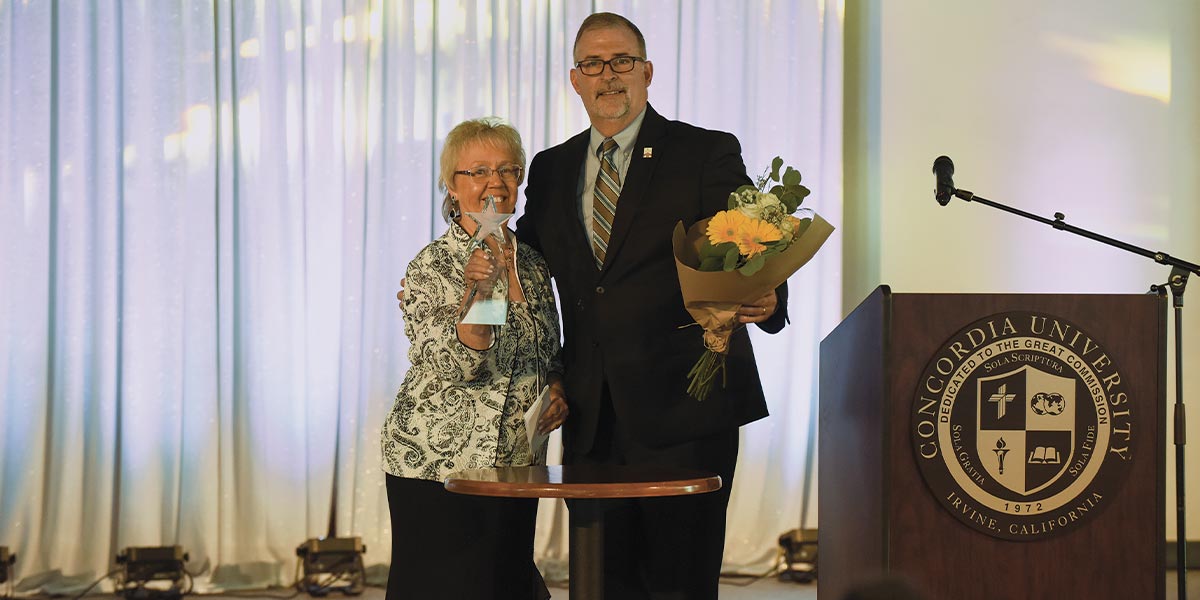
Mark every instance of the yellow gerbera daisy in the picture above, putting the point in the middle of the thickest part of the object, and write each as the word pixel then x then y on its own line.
pixel 725 226
pixel 753 234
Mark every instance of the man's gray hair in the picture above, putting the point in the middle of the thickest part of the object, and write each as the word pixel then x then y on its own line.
pixel 607 20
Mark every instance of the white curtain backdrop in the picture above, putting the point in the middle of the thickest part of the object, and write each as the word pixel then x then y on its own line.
pixel 206 208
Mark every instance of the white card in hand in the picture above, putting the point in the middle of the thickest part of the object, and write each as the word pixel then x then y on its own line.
pixel 533 415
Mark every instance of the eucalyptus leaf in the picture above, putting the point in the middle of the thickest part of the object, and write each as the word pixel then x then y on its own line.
pixel 708 251
pixel 723 248
pixel 712 263
pixel 733 202
pixel 778 191
pixel 790 201
pixel 775 164
pixel 753 265
pixel 731 258
pixel 791 177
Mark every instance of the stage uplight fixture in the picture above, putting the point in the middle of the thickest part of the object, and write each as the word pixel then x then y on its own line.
pixel 6 562
pixel 799 549
pixel 142 565
pixel 332 565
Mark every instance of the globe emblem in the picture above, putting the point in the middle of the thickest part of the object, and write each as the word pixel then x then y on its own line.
pixel 1051 403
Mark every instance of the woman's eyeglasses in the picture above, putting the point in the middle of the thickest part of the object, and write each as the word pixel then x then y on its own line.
pixel 506 173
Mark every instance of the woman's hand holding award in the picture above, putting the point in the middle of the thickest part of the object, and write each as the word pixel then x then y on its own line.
pixel 486 302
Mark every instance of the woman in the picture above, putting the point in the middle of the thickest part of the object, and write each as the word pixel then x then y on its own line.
pixel 462 402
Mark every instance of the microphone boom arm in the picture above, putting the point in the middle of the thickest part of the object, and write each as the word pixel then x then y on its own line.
pixel 1059 222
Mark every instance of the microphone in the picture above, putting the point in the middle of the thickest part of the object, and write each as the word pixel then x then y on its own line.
pixel 943 168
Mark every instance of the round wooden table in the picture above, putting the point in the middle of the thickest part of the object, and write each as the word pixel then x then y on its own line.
pixel 589 486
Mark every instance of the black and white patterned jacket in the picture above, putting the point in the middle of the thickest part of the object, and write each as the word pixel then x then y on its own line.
pixel 460 408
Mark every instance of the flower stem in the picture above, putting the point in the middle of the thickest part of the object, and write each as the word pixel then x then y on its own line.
pixel 703 374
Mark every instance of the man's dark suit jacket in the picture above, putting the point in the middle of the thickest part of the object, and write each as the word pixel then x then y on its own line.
pixel 625 325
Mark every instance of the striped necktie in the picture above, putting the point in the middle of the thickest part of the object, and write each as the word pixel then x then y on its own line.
pixel 604 200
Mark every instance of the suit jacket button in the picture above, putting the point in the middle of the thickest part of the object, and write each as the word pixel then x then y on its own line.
pixel 599 289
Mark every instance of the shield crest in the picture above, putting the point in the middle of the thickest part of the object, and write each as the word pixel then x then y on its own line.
pixel 1025 427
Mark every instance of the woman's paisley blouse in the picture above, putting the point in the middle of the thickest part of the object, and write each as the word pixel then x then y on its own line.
pixel 460 408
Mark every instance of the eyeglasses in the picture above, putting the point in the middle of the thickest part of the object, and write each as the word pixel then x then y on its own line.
pixel 507 173
pixel 620 64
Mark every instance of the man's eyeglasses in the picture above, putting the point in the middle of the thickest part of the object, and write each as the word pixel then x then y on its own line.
pixel 620 64
pixel 506 173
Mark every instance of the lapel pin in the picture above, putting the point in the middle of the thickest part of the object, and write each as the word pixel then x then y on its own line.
pixel 647 152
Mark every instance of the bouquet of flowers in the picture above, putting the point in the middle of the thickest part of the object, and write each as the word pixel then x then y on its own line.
pixel 738 255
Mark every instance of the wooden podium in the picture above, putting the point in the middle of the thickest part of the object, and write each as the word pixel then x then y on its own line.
pixel 995 446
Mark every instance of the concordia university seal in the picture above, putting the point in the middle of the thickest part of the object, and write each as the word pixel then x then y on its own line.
pixel 1021 426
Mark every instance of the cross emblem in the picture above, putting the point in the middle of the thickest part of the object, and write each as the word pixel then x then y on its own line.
pixel 1001 398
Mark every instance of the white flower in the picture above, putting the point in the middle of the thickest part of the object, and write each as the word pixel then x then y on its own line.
pixel 772 213
pixel 787 226
pixel 753 203
pixel 768 199
pixel 753 211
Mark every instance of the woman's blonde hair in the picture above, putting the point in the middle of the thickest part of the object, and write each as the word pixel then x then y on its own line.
pixel 486 130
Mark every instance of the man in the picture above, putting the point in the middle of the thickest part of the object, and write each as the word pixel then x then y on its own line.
pixel 602 214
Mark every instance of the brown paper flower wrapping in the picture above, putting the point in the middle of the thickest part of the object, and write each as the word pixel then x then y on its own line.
pixel 714 297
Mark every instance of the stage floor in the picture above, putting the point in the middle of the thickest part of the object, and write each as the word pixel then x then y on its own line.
pixel 763 589
pixel 767 588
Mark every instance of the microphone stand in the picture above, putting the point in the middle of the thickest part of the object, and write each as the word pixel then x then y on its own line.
pixel 1180 270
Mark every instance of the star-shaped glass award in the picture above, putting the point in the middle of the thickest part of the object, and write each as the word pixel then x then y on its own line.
pixel 487 302
pixel 490 223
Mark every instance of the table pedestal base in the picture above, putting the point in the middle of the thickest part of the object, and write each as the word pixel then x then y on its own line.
pixel 587 548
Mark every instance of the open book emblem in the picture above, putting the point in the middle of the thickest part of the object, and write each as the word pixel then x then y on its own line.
pixel 1025 427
